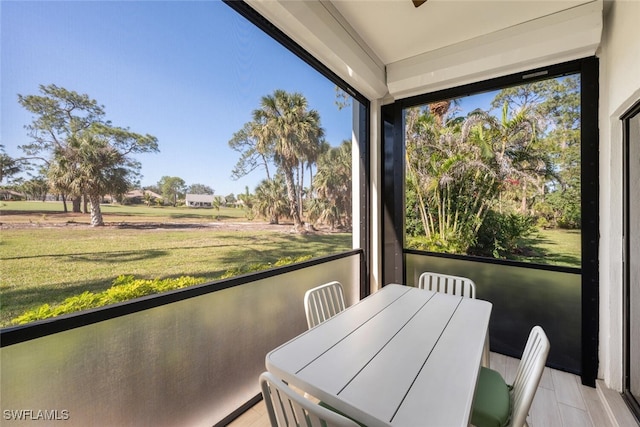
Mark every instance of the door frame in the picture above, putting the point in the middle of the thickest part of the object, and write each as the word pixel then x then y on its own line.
pixel 628 396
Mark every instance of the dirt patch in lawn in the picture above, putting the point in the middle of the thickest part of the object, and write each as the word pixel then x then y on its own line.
pixel 22 220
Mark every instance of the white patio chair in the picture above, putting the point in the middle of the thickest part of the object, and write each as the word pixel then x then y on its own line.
pixel 323 302
pixel 497 404
pixel 287 408
pixel 453 285
pixel 448 284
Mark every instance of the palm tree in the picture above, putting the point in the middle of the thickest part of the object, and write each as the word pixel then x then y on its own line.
pixel 247 200
pixel 148 198
pixel 90 165
pixel 270 199
pixel 452 185
pixel 323 211
pixel 311 156
pixel 458 169
pixel 285 123
pixel 510 146
pixel 60 175
pixel 332 185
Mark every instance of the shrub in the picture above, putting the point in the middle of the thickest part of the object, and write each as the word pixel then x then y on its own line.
pixel 245 269
pixel 125 288
pixel 451 245
pixel 291 260
pixel 566 205
pixel 500 234
pixel 259 266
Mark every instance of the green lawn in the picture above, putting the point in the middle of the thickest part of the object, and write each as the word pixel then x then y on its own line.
pixel 48 258
pixel 556 247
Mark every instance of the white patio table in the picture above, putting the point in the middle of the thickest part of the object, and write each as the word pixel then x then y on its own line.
pixel 402 357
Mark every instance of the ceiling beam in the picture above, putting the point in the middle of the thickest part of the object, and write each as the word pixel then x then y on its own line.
pixel 567 35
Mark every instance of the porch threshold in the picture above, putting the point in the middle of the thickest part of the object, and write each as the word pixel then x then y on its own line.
pixel 617 410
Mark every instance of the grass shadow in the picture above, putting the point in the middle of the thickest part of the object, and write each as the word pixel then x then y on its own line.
pixel 107 257
pixel 540 249
pixel 292 246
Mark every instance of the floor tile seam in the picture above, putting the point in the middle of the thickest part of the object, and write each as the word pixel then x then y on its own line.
pixel 584 411
pixel 566 403
pixel 559 388
pixel 593 421
pixel 546 410
pixel 552 388
pixel 570 405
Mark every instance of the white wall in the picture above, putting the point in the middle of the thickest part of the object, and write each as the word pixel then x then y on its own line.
pixel 619 89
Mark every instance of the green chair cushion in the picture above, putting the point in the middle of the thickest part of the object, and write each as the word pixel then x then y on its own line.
pixel 492 403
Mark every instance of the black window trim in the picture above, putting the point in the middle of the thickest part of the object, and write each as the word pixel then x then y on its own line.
pixel 22 333
pixel 392 163
pixel 627 394
pixel 364 124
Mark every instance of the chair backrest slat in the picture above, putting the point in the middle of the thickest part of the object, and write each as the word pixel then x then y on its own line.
pixel 528 375
pixel 448 284
pixel 288 408
pixel 323 302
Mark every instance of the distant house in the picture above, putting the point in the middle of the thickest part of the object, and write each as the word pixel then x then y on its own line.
pixel 11 195
pixel 139 194
pixel 199 200
pixel 134 197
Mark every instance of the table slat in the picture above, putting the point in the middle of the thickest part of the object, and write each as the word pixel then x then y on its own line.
pixel 392 372
pixel 400 357
pixel 332 371
pixel 444 390
pixel 308 346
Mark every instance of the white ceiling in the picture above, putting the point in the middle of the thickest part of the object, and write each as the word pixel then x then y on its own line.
pixel 395 30
pixel 388 49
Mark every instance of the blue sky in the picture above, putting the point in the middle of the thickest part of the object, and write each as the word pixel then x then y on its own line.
pixel 188 72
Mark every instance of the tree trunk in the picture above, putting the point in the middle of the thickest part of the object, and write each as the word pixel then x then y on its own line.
pixel 76 204
pixel 310 182
pixel 85 203
pixel 266 168
pixel 293 200
pixel 64 203
pixel 96 213
pixel 301 189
